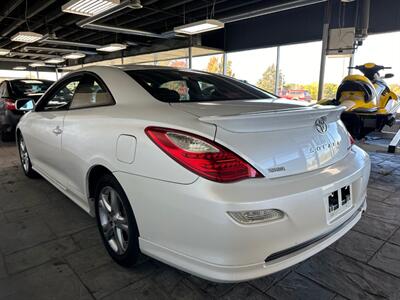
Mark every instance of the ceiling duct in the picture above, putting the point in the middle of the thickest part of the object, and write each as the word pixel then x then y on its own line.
pixel 68 43
pixel 58 50
pixel 89 22
pixel 17 60
pixel 270 10
pixel 32 54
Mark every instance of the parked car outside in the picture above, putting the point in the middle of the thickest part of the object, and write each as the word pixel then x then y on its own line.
pixel 302 95
pixel 12 90
pixel 219 178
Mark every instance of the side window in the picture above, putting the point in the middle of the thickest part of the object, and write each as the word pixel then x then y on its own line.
pixel 2 86
pixel 91 93
pixel 178 86
pixel 61 99
pixel 5 92
pixel 207 89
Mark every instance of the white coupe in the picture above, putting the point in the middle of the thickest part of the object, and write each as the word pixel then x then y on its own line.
pixel 201 171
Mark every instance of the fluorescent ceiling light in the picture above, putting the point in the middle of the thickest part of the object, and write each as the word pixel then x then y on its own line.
pixel 88 7
pixel 4 51
pixel 199 27
pixel 74 55
pixel 112 47
pixel 21 68
pixel 26 37
pixel 37 64
pixel 55 60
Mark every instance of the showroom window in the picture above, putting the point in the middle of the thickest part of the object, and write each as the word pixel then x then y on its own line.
pixel 382 49
pixel 299 65
pixel 208 63
pixel 335 70
pixel 256 67
pixel 175 63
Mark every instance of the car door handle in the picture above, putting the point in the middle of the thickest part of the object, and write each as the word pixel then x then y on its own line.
pixel 57 130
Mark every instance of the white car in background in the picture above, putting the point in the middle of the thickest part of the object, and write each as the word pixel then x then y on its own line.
pixel 203 172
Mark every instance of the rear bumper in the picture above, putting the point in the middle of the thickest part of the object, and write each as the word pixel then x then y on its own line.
pixel 187 225
pixel 9 120
pixel 238 273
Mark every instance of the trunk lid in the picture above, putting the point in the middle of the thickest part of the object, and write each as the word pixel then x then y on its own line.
pixel 278 137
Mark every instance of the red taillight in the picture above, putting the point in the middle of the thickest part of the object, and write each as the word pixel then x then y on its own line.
pixel 9 104
pixel 351 139
pixel 202 156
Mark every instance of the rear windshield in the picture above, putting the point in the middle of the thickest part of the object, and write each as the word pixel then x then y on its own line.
pixel 25 88
pixel 188 86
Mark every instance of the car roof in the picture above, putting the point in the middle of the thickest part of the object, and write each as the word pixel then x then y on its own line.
pixel 132 67
pixel 21 79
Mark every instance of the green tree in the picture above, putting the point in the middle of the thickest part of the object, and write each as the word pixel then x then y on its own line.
pixel 312 88
pixel 216 65
pixel 267 81
pixel 330 90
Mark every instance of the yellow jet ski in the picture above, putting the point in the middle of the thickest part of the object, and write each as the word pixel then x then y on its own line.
pixel 370 104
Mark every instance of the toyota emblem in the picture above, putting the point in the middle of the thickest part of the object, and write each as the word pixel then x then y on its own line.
pixel 320 125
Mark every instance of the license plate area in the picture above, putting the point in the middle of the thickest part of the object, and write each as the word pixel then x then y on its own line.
pixel 339 202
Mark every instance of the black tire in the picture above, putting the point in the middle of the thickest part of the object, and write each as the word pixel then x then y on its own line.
pixel 7 136
pixel 25 162
pixel 132 251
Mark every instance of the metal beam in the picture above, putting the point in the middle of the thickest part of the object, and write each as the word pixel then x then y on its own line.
pixel 68 43
pixel 10 8
pixel 277 70
pixel 37 8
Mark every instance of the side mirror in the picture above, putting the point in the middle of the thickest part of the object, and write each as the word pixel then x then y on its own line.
pixel 26 104
pixel 389 75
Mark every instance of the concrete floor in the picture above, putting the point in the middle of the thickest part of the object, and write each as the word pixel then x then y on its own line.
pixel 50 249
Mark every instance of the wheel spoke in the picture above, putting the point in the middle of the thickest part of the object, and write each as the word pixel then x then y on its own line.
pixel 22 145
pixel 121 223
pixel 114 202
pixel 108 231
pixel 104 199
pixel 119 240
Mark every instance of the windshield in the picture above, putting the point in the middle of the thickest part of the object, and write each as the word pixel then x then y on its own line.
pixel 171 85
pixel 25 88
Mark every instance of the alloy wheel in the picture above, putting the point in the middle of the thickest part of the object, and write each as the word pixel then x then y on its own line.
pixel 113 220
pixel 24 155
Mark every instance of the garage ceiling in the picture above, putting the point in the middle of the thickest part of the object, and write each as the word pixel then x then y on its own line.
pixel 155 17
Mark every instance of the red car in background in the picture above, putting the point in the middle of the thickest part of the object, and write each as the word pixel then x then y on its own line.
pixel 302 95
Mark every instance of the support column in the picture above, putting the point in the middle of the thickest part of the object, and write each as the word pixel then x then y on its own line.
pixel 190 57
pixel 56 73
pixel 224 63
pixel 37 73
pixel 277 70
pixel 325 36
pixel 351 64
